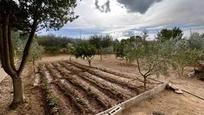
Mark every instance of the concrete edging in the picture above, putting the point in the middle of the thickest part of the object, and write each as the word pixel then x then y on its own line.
pixel 117 109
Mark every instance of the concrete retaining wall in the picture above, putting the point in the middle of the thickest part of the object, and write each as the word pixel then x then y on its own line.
pixel 116 110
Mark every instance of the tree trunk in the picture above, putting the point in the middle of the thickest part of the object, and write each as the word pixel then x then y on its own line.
pixel 101 57
pixel 89 62
pixel 145 83
pixel 34 71
pixel 126 61
pixel 18 92
pixel 181 71
pixel 100 53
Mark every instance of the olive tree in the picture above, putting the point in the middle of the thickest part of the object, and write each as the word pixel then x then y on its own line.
pixel 120 49
pixel 167 34
pixel 126 46
pixel 183 54
pixel 70 50
pixel 96 41
pixel 148 55
pixel 180 53
pixel 19 42
pixel 196 41
pixel 28 16
pixel 101 42
pixel 149 60
pixel 85 51
pixel 36 52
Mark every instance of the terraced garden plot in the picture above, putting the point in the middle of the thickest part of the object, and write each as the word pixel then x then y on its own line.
pixel 75 89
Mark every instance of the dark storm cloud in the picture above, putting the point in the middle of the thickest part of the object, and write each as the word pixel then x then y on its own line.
pixel 138 5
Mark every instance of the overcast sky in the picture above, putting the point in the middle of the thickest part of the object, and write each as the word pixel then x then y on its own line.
pixel 128 17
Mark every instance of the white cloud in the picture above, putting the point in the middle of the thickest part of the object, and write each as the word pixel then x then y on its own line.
pixel 119 20
pixel 175 12
pixel 91 17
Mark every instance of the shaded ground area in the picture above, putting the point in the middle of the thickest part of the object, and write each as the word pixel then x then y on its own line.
pixel 2 74
pixel 33 105
pixel 5 94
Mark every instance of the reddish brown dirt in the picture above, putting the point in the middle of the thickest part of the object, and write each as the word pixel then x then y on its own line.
pixel 91 90
pixel 111 86
pixel 166 102
pixel 95 96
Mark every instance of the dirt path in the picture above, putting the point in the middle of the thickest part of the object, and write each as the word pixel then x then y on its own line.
pixel 190 84
pixel 168 103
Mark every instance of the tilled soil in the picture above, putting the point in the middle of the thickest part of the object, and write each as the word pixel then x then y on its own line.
pixel 86 90
pixel 167 102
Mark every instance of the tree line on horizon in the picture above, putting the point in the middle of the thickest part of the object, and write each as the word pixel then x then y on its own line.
pixel 168 50
pixel 105 44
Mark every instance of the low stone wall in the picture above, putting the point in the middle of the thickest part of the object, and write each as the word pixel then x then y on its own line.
pixel 116 110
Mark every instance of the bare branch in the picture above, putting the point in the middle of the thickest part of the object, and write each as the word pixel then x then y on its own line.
pixel 27 47
pixel 29 42
pixel 138 66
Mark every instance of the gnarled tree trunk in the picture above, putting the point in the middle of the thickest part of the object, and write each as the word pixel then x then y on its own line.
pixel 89 61
pixel 145 82
pixel 18 91
pixel 7 58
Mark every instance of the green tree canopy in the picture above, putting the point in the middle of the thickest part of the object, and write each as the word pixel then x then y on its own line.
pixel 181 53
pixel 125 46
pixel 196 41
pixel 167 34
pixel 86 51
pixel 101 42
pixel 28 16
pixel 149 58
